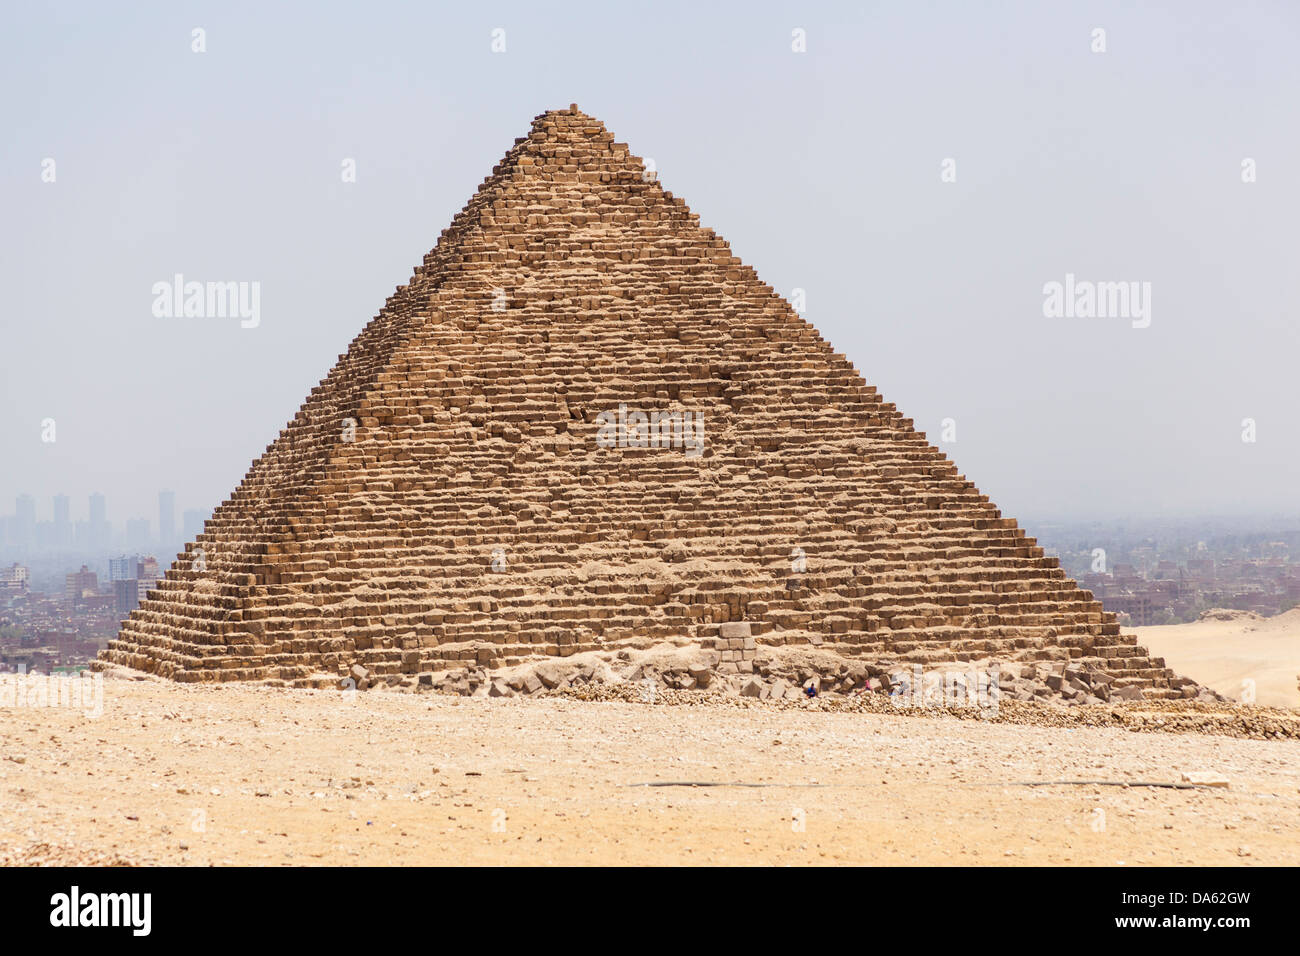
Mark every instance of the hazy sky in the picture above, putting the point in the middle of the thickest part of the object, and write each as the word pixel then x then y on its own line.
pixel 823 170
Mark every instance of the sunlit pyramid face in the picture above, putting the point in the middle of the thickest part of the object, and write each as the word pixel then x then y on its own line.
pixel 585 425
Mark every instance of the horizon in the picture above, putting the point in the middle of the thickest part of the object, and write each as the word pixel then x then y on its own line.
pixel 1243 519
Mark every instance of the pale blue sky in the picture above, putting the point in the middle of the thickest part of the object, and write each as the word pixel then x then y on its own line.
pixel 821 169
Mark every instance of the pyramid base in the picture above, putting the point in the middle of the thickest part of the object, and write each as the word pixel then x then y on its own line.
pixel 1079 666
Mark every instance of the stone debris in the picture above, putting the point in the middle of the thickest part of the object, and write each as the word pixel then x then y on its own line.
pixel 444 505
pixel 1205 778
pixel 787 673
pixel 49 854
pixel 360 677
pixel 1214 718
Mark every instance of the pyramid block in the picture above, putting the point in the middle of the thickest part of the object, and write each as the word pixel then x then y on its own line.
pixel 584 424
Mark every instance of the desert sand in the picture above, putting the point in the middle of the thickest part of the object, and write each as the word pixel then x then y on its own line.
pixel 1227 648
pixel 240 774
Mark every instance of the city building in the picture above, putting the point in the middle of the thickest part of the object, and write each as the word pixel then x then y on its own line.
pixel 128 592
pixel 167 517
pixel 14 578
pixel 98 533
pixel 122 569
pixel 126 595
pixel 81 584
pixel 62 522
pixel 22 527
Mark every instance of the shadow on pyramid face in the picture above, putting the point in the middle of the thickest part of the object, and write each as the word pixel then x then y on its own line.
pixel 474 415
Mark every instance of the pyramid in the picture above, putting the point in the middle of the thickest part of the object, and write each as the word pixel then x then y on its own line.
pixel 582 425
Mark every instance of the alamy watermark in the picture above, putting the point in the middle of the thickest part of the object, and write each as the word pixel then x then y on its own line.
pixel 129 910
pixel 84 692
pixel 1085 299
pixel 656 429
pixel 179 299
pixel 950 688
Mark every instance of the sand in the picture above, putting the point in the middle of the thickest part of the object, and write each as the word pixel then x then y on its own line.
pixel 252 775
pixel 1225 653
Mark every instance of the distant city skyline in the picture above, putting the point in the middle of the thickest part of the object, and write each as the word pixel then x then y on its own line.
pixel 98 532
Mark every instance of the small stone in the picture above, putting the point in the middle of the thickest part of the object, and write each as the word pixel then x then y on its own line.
pixel 1205 778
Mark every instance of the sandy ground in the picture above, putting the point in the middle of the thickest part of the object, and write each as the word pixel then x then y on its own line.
pixel 1225 654
pixel 248 775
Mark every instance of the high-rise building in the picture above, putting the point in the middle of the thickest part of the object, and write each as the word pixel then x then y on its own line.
pixel 121 569
pixel 13 579
pixel 23 527
pixel 126 595
pixel 167 517
pixel 98 532
pixel 80 584
pixel 147 575
pixel 129 591
pixel 62 521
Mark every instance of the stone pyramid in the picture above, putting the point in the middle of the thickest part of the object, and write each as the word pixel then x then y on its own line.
pixel 584 424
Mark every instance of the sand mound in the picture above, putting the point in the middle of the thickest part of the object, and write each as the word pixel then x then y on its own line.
pixel 1236 653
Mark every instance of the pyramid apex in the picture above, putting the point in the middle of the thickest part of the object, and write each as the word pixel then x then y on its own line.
pixel 570 118
pixel 571 110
